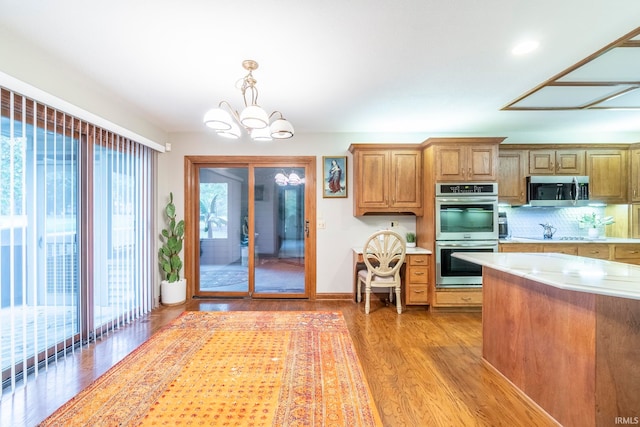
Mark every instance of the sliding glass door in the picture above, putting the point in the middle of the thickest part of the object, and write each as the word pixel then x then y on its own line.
pixel 75 234
pixel 253 232
pixel 280 223
pixel 223 231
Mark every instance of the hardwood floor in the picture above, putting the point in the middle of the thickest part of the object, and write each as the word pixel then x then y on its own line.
pixel 424 369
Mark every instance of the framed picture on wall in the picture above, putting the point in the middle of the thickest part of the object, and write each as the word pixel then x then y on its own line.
pixel 334 176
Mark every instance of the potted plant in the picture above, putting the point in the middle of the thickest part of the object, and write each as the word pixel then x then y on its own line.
pixel 173 289
pixel 411 239
pixel 593 222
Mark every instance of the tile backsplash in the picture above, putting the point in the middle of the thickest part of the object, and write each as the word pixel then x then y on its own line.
pixel 525 221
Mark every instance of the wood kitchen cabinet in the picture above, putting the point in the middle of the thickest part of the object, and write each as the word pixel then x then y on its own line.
pixel 635 220
pixel 634 195
pixel 629 253
pixel 417 279
pixel 457 298
pixel 561 248
pixel 557 162
pixel 594 250
pixel 608 175
pixel 512 176
pixel 520 247
pixel 462 162
pixel 388 179
pixel 621 252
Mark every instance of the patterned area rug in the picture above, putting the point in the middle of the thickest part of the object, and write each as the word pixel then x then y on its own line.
pixel 233 369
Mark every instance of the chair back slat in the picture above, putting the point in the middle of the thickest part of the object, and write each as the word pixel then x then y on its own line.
pixel 384 253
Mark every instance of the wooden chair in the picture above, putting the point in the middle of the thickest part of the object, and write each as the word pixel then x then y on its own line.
pixel 383 254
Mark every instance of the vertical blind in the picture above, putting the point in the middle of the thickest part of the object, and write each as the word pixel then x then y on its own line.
pixel 75 234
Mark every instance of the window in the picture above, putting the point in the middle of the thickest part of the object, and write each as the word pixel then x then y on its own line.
pixel 75 233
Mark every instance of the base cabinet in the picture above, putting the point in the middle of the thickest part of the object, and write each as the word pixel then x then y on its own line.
pixel 621 252
pixel 417 279
pixel 458 298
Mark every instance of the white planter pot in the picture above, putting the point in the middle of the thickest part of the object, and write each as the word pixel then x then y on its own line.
pixel 594 233
pixel 411 244
pixel 173 293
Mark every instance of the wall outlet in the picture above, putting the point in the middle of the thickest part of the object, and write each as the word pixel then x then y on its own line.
pixel 322 224
pixel 394 224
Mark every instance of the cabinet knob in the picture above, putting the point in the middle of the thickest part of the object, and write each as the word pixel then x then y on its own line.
pixel 419 273
pixel 418 261
pixel 466 299
pixel 421 291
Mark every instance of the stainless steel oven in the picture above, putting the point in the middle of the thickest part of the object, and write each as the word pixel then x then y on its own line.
pixel 467 211
pixel 454 272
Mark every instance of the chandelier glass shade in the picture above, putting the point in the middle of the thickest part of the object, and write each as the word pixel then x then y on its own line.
pixel 282 179
pixel 253 118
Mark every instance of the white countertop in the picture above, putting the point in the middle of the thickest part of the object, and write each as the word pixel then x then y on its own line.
pixel 562 271
pixel 410 251
pixel 586 240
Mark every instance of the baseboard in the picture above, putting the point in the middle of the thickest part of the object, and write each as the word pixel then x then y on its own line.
pixel 327 296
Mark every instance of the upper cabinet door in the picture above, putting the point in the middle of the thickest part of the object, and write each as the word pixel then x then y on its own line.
pixel 465 163
pixel 387 180
pixel 556 162
pixel 635 175
pixel 406 179
pixel 512 176
pixel 372 178
pixel 608 175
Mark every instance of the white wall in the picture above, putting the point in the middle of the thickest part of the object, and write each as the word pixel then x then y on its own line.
pixel 343 230
pixel 36 67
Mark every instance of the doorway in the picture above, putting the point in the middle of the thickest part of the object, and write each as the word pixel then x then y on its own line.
pixel 249 226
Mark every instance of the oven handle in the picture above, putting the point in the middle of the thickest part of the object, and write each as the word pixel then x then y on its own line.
pixel 466 245
pixel 468 199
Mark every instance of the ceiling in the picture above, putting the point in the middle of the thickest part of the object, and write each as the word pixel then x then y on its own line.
pixel 425 67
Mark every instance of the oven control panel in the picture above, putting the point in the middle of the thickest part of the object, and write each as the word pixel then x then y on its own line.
pixel 485 188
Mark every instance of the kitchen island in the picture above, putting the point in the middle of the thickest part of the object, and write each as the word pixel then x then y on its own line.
pixel 565 330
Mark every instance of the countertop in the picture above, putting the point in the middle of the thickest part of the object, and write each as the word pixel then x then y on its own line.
pixel 586 240
pixel 410 251
pixel 562 271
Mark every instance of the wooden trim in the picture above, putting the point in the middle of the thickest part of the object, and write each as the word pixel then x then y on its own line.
pixel 191 168
pixel 624 41
pixel 564 146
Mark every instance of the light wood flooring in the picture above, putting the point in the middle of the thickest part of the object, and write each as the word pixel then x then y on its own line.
pixel 424 369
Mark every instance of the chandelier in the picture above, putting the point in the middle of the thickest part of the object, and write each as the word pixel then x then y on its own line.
pixel 282 179
pixel 253 118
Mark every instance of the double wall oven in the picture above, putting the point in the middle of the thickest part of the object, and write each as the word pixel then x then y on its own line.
pixel 466 221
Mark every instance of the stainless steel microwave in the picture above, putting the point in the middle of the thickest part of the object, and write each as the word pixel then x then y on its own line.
pixel 558 191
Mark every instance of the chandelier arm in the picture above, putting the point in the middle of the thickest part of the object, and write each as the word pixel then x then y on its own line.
pixel 276 112
pixel 254 95
pixel 233 112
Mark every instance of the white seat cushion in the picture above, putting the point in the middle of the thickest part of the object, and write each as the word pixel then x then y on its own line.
pixel 374 278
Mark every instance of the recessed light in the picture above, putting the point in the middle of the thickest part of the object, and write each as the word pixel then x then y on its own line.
pixel 525 47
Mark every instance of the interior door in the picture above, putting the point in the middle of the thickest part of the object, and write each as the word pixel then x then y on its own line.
pixel 250 223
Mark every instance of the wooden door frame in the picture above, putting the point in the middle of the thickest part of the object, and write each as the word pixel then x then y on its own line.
pixel 191 209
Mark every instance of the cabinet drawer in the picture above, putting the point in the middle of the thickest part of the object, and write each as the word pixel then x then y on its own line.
pixel 417 294
pixel 419 260
pixel 520 247
pixel 418 275
pixel 624 252
pixel 600 251
pixel 561 249
pixel 458 297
